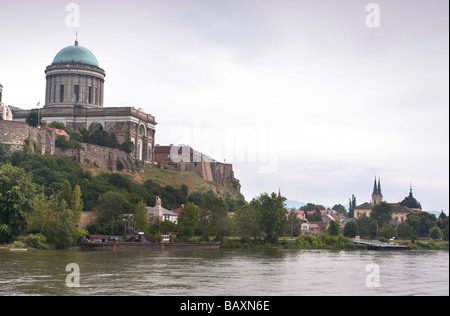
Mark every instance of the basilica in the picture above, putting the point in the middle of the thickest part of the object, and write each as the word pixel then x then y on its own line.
pixel 74 96
pixel 400 210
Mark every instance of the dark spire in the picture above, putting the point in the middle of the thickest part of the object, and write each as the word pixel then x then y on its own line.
pixel 379 187
pixel 375 191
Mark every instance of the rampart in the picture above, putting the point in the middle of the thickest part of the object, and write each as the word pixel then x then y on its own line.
pixel 18 135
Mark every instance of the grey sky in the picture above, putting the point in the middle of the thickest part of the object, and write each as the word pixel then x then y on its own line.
pixel 322 102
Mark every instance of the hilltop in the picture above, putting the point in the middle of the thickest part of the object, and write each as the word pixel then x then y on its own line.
pixel 193 180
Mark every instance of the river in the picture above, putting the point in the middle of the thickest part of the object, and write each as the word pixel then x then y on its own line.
pixel 268 272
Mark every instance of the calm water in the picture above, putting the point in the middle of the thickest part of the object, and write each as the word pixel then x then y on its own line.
pixel 225 272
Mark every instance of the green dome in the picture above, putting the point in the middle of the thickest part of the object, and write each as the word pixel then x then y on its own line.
pixel 75 54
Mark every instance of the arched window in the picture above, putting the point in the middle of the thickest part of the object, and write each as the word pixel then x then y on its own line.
pixel 141 130
pixel 96 126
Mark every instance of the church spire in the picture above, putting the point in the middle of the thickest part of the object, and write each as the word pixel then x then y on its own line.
pixel 379 187
pixel 76 38
pixel 377 197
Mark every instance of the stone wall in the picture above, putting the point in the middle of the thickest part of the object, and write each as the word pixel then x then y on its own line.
pixel 18 135
pixel 102 157
pixel 212 171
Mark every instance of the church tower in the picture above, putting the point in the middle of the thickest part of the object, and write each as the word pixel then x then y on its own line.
pixel 377 197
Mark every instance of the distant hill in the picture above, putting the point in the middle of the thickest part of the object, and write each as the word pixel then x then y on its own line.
pixel 294 204
pixel 437 213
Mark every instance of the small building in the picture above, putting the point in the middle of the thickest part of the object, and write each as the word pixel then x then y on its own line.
pixel 96 238
pixel 161 213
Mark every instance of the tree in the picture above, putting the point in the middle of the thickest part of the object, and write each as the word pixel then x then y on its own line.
pixel 334 228
pixel 217 210
pixel 34 119
pixel 387 231
pixel 351 206
pixel 367 226
pixel 271 215
pixel 64 235
pixel 111 205
pixel 140 217
pixel 16 195
pixel 421 222
pixel 404 230
pixel 246 222
pixel 188 220
pixel 382 213
pixel 340 208
pixel 294 224
pixel 436 233
pixel 351 229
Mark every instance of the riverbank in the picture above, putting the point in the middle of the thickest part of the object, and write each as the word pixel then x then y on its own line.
pixel 325 242
pixel 321 242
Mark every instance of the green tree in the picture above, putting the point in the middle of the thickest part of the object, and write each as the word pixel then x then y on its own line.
pixel 351 206
pixel 188 220
pixel 421 222
pixel 16 195
pixel 387 231
pixel 351 229
pixel 34 119
pixel 382 213
pixel 111 205
pixel 293 224
pixel 43 216
pixel 140 217
pixel 334 228
pixel 271 215
pixel 367 226
pixel 65 229
pixel 340 208
pixel 217 210
pixel 404 230
pixel 436 233
pixel 246 222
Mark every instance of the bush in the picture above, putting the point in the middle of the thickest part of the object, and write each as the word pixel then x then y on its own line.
pixel 37 241
pixel 18 244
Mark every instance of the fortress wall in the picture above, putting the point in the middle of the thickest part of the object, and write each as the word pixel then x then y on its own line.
pixel 18 134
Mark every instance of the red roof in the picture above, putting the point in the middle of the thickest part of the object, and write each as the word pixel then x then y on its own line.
pixel 56 130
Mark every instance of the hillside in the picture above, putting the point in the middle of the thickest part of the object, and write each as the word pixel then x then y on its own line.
pixel 193 180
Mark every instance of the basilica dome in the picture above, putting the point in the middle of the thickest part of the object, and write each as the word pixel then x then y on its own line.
pixel 75 54
pixel 411 202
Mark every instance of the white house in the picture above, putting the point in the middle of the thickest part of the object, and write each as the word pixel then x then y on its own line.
pixel 160 212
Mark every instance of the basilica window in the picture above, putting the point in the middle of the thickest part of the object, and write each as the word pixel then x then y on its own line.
pixel 61 93
pixel 90 95
pixel 76 92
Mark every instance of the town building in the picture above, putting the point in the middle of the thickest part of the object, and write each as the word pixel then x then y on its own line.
pixel 160 213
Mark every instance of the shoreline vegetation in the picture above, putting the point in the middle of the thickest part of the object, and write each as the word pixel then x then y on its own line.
pixel 308 242
pixel 325 242
pixel 42 198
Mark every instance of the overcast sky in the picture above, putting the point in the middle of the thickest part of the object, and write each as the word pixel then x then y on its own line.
pixel 303 96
